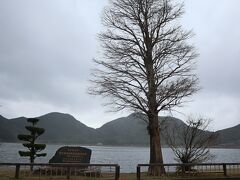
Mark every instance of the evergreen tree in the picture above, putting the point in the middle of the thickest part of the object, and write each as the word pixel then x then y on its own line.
pixel 30 144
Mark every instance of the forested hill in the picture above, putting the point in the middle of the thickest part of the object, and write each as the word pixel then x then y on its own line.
pixel 130 130
pixel 229 137
pixel 59 128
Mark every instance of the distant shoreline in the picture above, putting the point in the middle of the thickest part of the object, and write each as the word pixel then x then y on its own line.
pixel 140 146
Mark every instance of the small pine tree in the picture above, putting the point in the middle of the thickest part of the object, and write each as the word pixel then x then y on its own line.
pixel 33 148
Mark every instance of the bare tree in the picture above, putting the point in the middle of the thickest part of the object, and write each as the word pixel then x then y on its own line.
pixel 148 63
pixel 190 143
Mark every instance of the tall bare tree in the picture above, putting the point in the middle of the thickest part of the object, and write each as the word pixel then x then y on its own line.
pixel 191 143
pixel 147 64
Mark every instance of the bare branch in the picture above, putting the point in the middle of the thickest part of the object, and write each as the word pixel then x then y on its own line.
pixel 190 143
pixel 146 55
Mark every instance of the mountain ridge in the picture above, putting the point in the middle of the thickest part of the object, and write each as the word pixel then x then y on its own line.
pixel 130 130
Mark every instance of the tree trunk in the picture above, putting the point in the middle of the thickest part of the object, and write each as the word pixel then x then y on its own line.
pixel 32 151
pixel 31 161
pixel 155 147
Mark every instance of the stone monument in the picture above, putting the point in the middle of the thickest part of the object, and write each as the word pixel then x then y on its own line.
pixel 72 154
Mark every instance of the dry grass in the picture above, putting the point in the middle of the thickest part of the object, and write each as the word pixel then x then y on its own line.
pixel 9 175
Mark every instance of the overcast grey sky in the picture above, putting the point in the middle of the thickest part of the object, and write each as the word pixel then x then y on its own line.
pixel 47 47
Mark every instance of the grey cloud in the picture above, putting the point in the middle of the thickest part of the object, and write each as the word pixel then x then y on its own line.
pixel 217 39
pixel 46 50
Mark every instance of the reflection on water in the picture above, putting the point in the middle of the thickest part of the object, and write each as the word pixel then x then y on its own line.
pixel 126 157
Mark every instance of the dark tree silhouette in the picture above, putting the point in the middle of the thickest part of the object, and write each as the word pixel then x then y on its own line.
pixel 31 145
pixel 148 62
pixel 190 143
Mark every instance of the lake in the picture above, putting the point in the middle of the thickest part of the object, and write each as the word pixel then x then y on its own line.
pixel 126 157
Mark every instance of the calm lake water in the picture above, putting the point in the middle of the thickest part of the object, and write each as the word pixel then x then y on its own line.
pixel 126 157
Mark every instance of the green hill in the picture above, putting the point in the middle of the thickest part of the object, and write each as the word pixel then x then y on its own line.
pixel 229 137
pixel 130 130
